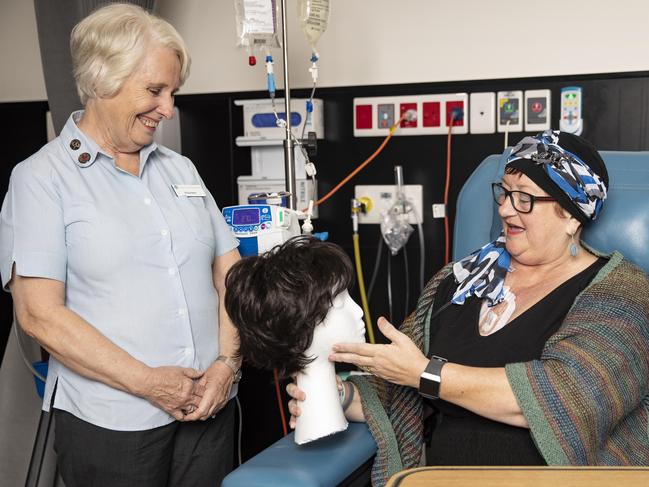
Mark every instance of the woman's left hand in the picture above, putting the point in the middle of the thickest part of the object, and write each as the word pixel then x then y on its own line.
pixel 400 362
pixel 216 383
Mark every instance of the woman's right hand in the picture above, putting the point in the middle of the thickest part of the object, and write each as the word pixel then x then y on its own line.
pixel 296 394
pixel 173 389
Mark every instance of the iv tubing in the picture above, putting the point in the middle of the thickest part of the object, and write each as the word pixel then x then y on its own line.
pixel 375 273
pixel 361 287
pixel 406 306
pixel 390 286
pixel 362 165
pixel 447 236
pixel 422 250
pixel 279 402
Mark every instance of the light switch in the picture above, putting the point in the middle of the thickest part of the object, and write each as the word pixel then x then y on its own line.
pixel 482 108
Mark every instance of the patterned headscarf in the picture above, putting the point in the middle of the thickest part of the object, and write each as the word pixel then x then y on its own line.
pixel 584 188
pixel 561 173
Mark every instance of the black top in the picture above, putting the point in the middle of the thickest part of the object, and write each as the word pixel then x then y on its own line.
pixel 461 437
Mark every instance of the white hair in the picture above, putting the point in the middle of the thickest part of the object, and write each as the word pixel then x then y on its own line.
pixel 109 44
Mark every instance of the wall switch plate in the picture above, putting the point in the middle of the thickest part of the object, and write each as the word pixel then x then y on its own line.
pixel 510 111
pixel 537 110
pixel 483 113
pixel 384 196
pixel 439 210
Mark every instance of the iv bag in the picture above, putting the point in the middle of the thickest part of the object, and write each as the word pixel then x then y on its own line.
pixel 257 23
pixel 314 17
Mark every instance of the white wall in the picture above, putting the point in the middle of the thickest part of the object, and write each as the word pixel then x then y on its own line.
pixel 410 41
pixel 381 42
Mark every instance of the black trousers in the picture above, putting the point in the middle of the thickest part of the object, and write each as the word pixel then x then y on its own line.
pixel 192 454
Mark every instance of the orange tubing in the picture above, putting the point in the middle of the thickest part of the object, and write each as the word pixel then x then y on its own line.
pixel 361 166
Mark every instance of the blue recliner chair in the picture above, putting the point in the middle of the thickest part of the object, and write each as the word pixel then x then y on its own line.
pixel 623 225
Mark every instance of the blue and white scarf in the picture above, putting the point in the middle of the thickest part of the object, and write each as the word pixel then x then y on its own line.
pixel 575 178
pixel 482 273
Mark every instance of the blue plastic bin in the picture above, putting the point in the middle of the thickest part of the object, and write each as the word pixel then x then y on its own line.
pixel 41 368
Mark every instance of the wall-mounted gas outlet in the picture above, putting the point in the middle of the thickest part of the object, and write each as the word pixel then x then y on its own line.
pixel 510 111
pixel 424 115
pixel 537 110
pixel 384 196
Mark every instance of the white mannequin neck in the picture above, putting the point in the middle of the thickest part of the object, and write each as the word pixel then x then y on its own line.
pixel 321 413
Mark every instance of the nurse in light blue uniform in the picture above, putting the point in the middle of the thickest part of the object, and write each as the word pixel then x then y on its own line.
pixel 115 253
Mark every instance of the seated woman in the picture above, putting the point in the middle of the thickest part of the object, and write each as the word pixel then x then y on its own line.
pixel 290 306
pixel 533 350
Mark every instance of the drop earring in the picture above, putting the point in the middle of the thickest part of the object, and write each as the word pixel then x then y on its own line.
pixel 573 246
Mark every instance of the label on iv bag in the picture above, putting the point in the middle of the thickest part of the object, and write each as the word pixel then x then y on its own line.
pixel 259 16
pixel 314 17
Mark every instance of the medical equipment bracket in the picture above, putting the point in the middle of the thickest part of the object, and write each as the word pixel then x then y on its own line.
pixel 289 145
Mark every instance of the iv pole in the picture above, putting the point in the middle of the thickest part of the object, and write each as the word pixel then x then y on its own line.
pixel 289 145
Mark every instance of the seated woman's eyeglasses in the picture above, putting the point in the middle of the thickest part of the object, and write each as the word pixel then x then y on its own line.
pixel 521 201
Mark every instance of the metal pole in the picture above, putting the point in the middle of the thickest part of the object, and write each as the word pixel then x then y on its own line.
pixel 289 146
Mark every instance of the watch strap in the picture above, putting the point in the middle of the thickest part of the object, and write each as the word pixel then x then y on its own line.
pixel 431 377
pixel 230 362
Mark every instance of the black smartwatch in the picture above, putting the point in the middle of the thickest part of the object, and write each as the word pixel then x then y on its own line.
pixel 431 378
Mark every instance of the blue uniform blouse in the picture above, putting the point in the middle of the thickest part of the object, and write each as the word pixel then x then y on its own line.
pixel 135 257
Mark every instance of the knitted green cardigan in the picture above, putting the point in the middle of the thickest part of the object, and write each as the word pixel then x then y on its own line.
pixel 586 399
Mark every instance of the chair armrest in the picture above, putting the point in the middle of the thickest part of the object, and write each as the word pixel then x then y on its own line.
pixel 324 462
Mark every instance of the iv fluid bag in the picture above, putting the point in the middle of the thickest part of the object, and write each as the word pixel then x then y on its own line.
pixel 257 23
pixel 314 17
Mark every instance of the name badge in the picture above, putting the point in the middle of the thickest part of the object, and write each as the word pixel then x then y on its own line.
pixel 188 190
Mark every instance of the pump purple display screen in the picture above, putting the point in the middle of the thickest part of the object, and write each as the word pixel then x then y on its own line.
pixel 246 216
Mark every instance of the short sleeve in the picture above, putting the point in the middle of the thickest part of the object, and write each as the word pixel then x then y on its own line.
pixel 32 232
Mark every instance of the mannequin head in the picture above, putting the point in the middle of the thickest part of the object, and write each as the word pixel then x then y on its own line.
pixel 280 300
pixel 343 323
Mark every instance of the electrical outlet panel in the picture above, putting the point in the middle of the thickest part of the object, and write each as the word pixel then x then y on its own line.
pixel 382 197
pixel 482 118
pixel 537 110
pixel 427 114
pixel 510 111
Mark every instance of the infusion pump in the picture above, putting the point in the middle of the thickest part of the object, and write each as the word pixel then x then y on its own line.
pixel 259 228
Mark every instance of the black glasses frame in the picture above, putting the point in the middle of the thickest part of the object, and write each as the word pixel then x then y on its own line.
pixel 510 194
